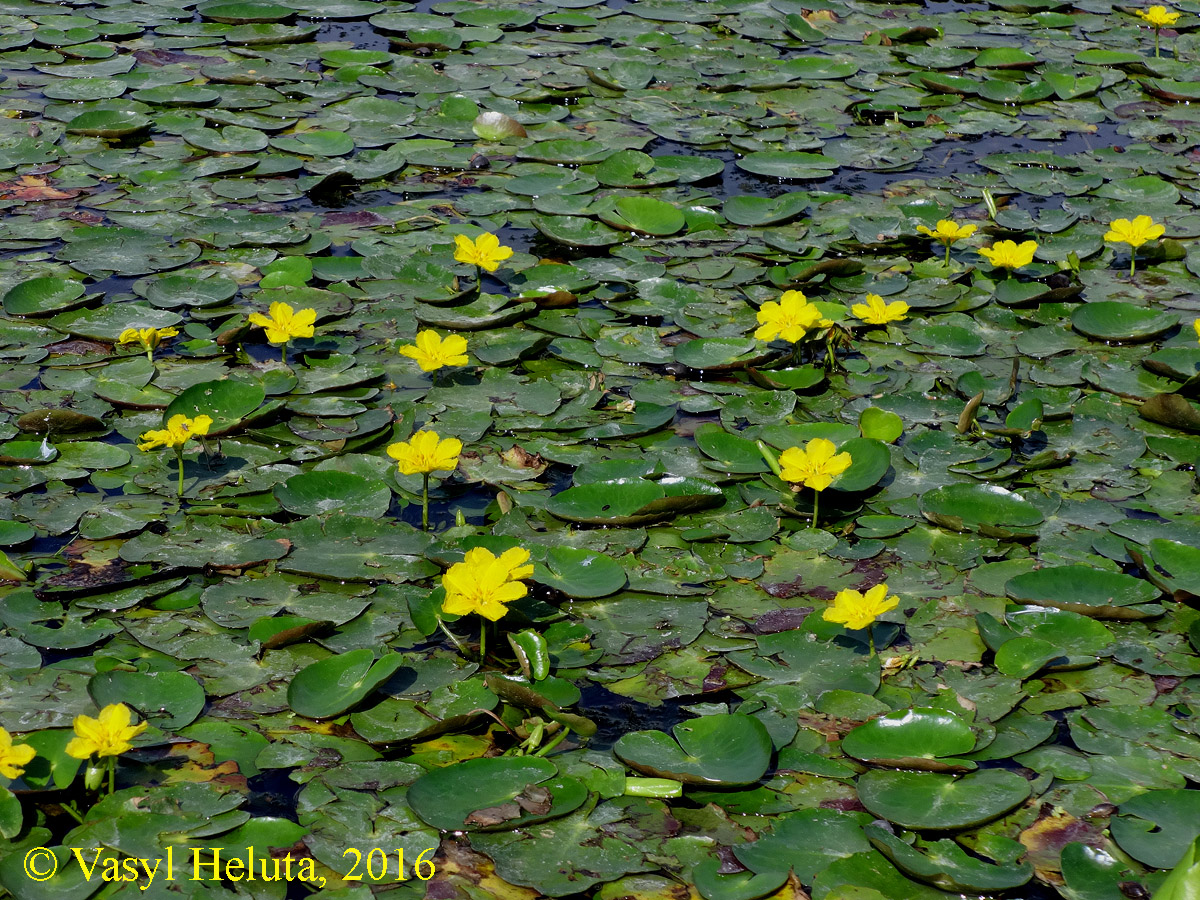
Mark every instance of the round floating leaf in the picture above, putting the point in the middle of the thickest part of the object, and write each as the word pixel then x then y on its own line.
pixel 108 123
pixel 580 573
pixel 575 231
pixel 178 95
pixel 720 354
pixel 170 700
pixel 788 164
pixel 644 214
pixel 946 865
pixel 1023 656
pixel 1180 563
pixel 182 290
pixel 13 533
pixel 496 126
pixel 910 739
pixel 870 462
pixel 986 508
pixel 729 452
pixel 226 402
pixel 500 793
pixel 1084 590
pixel 936 802
pixel 27 453
pixel 1113 320
pixel 1157 827
pixel 948 340
pixel 245 13
pixel 59 421
pixel 629 501
pixel 326 492
pixel 231 139
pixel 758 211
pixel 880 424
pixel 334 685
pixel 315 143
pixel 724 749
pixel 43 297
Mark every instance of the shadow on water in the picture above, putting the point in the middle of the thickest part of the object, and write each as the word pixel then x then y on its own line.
pixel 616 715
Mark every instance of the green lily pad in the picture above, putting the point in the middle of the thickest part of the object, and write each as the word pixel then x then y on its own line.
pixel 759 211
pixel 326 492
pixel 870 461
pixel 711 750
pixel 788 164
pixel 1084 590
pixel 580 573
pixel 576 231
pixel 729 452
pixel 170 700
pixel 226 402
pixel 918 738
pixel 935 802
pixel 108 123
pixel 1157 827
pixel 245 13
pixel 43 297
pixel 643 214
pixel 502 793
pixel 632 501
pixel 720 354
pixel 27 453
pixel 989 509
pixel 338 683
pixel 946 865
pixel 1113 320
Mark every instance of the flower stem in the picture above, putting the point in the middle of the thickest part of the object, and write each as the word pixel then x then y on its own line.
pixel 559 738
pixel 425 503
pixel 1132 262
pixel 70 810
pixel 283 352
pixel 112 774
pixel 179 457
pixel 1156 43
pixel 816 505
pixel 871 639
pixel 770 459
pixel 947 254
pixel 482 640
pixel 450 634
pixel 150 356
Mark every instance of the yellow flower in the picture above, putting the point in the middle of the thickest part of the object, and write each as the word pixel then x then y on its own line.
pixel 285 323
pixel 425 452
pixel 483 583
pixel 948 231
pixel 180 429
pixel 790 318
pixel 485 251
pixel 13 757
pixel 1196 325
pixel 856 610
pixel 815 466
pixel 876 312
pixel 432 352
pixel 148 338
pixel 1158 16
pixel 108 735
pixel 1009 254
pixel 1135 233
